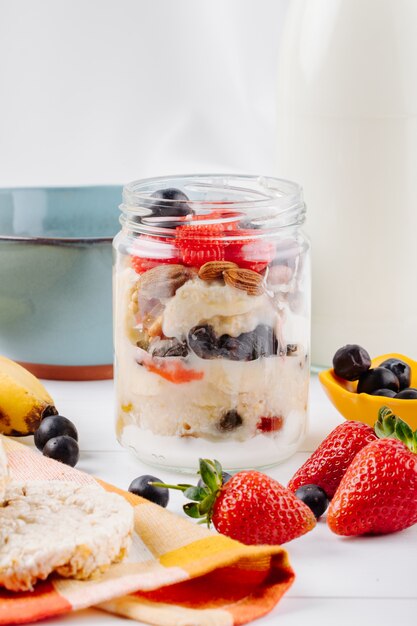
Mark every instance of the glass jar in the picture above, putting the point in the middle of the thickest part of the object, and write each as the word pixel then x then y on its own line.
pixel 212 320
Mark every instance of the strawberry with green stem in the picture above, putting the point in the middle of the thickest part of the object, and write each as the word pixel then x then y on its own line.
pixel 250 507
pixel 378 493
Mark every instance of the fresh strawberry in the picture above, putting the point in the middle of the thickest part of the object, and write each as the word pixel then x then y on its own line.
pixel 251 507
pixel 254 509
pixel 378 493
pixel 328 464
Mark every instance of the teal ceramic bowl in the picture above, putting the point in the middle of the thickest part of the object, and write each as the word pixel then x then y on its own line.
pixel 55 279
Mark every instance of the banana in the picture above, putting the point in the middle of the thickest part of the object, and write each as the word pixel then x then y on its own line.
pixel 23 400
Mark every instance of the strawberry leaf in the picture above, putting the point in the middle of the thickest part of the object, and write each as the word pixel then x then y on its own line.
pixel 203 497
pixel 218 467
pixel 404 433
pixel 192 510
pixel 383 412
pixel 209 475
pixel 206 505
pixel 385 428
pixel 389 425
pixel 196 493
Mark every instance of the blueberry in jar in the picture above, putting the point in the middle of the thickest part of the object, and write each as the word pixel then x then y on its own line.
pixel 407 394
pixel 378 378
pixel 141 486
pixel 264 341
pixel 63 448
pixel 400 369
pixel 291 349
pixel 387 393
pixel 236 348
pixel 314 497
pixel 54 426
pixel 230 421
pixel 170 202
pixel 351 361
pixel 169 348
pixel 203 341
pixel 248 346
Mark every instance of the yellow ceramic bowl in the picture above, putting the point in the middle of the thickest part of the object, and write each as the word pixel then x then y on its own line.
pixel 363 407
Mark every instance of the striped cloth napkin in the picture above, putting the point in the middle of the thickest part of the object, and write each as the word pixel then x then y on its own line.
pixel 176 573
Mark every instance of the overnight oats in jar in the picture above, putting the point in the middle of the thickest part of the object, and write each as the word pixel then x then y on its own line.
pixel 212 320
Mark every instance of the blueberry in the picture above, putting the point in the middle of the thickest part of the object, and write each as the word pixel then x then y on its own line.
pixel 203 341
pixel 314 497
pixel 63 448
pixel 400 369
pixel 230 421
pixel 225 478
pixel 351 361
pixel 264 341
pixel 236 348
pixel 248 346
pixel 378 378
pixel 169 347
pixel 388 393
pixel 175 204
pixel 140 487
pixel 292 348
pixel 407 394
pixel 54 426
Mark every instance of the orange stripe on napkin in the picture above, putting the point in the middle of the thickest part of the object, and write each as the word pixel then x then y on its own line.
pixel 21 608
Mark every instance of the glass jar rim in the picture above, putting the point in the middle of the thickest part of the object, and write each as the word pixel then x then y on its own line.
pixel 268 202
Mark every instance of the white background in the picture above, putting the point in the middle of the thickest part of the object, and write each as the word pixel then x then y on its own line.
pixel 107 91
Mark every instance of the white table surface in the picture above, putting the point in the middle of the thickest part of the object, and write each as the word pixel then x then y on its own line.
pixel 339 581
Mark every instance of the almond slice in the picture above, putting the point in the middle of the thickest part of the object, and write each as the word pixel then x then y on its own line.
pixel 246 280
pixel 214 269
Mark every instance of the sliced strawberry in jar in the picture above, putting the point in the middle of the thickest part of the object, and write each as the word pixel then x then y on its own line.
pixel 270 424
pixel 199 244
pixel 173 370
pixel 252 254
pixel 149 252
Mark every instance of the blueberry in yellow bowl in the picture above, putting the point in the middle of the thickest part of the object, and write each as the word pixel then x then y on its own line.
pixel 55 279
pixel 358 386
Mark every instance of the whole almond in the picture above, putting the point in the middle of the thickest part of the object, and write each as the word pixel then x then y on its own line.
pixel 247 280
pixel 214 269
pixel 163 281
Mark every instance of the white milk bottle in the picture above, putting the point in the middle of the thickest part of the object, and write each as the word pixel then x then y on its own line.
pixel 347 131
